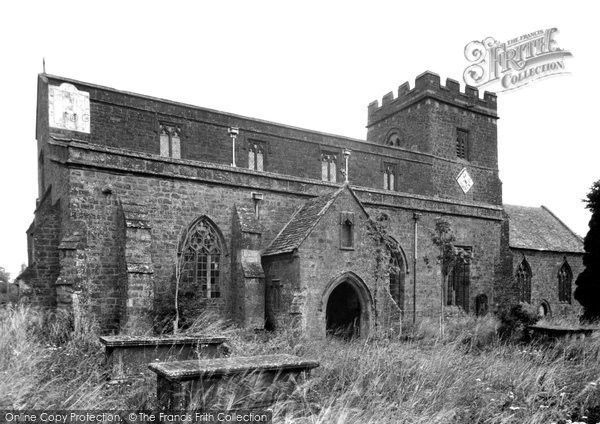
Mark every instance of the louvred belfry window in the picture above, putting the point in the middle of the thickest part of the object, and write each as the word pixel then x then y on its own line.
pixel 462 144
pixel 201 269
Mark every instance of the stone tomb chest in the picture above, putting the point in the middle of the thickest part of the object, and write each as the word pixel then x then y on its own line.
pixel 225 383
pixel 129 356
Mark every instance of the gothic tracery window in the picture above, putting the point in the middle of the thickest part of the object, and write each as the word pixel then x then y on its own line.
pixel 565 277
pixel 459 281
pixel 328 167
pixel 202 257
pixel 170 141
pixel 523 280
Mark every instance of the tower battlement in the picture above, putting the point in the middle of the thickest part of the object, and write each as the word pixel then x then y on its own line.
pixel 428 85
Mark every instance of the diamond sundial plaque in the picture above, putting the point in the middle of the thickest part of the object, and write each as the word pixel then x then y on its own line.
pixel 464 180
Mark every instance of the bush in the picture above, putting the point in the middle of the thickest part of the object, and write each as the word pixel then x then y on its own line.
pixel 514 322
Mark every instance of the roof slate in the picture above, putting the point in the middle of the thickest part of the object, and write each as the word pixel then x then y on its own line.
pixel 301 224
pixel 537 228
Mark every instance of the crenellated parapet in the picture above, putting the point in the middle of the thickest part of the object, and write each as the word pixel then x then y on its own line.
pixel 428 85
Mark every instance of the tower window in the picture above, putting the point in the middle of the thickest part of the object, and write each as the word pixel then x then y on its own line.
pixel 565 277
pixel 389 176
pixel 462 143
pixel 256 157
pixel 347 230
pixel 523 280
pixel 328 167
pixel 170 141
pixel 393 139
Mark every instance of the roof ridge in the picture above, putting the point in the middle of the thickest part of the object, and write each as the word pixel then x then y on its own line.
pixel 577 236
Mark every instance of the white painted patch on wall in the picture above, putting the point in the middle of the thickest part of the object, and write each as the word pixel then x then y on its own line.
pixel 69 108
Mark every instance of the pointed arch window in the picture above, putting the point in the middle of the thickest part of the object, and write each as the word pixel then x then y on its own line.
pixel 459 281
pixel 347 230
pixel 202 257
pixel 256 156
pixel 523 280
pixel 329 167
pixel 397 272
pixel 170 141
pixel 565 277
pixel 389 176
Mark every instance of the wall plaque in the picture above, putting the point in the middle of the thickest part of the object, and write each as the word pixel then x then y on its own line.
pixel 464 180
pixel 69 108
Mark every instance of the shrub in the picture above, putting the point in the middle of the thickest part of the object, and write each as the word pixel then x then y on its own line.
pixel 514 322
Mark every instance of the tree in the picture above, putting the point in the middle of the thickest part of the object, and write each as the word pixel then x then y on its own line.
pixel 449 255
pixel 4 276
pixel 587 291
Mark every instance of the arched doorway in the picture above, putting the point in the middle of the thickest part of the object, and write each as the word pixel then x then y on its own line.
pixel 343 312
pixel 347 304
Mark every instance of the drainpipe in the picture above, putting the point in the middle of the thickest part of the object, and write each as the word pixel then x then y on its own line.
pixel 416 216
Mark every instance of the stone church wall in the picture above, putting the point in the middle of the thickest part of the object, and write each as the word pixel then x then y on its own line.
pixel 545 266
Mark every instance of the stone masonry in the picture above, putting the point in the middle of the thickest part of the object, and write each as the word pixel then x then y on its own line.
pixel 119 191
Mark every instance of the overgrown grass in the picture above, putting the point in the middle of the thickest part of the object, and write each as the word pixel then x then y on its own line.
pixel 468 376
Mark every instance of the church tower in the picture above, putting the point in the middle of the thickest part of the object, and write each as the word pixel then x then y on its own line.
pixel 456 130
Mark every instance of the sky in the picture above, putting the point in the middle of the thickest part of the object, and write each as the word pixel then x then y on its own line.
pixel 310 64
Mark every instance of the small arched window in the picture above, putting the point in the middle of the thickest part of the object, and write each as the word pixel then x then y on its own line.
pixel 389 176
pixel 393 138
pixel 256 157
pixel 329 167
pixel 565 277
pixel 201 261
pixel 170 141
pixel 347 230
pixel 523 280
pixel 481 305
pixel 397 273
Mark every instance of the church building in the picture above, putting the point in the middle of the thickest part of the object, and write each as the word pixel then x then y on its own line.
pixel 144 200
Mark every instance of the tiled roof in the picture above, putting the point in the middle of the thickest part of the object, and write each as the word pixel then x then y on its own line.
pixel 301 224
pixel 537 228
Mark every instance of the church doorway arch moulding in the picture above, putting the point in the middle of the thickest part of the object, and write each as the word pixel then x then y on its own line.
pixel 348 305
